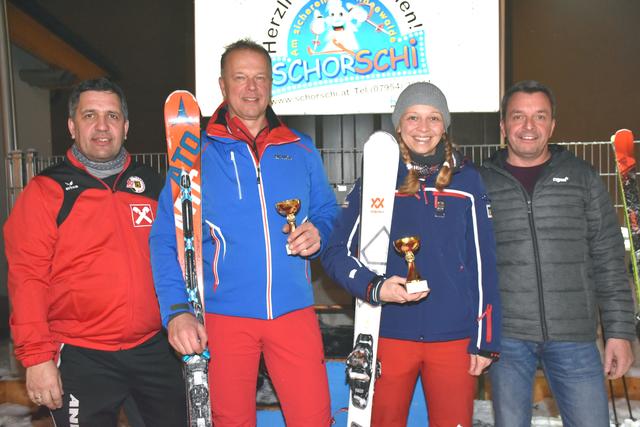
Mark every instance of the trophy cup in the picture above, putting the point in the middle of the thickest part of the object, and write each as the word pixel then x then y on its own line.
pixel 289 208
pixel 407 246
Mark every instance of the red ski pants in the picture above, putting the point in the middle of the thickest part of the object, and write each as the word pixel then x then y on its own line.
pixel 293 353
pixel 443 368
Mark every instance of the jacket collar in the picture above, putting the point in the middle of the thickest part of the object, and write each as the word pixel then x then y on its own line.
pixel 277 132
pixel 459 162
pixel 75 162
pixel 499 158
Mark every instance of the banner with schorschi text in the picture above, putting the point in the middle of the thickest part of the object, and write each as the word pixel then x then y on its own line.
pixel 349 57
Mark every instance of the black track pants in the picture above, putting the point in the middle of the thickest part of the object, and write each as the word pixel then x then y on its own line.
pixel 96 383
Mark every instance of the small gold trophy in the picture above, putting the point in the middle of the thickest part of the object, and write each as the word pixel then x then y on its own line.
pixel 407 246
pixel 289 208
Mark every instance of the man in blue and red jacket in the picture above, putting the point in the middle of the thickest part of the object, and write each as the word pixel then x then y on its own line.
pixel 258 298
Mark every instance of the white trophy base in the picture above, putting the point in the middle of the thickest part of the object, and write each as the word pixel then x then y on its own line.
pixel 417 286
pixel 288 250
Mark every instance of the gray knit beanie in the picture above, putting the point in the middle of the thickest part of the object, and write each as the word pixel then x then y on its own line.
pixel 421 93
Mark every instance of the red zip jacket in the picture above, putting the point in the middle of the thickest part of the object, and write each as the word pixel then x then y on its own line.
pixel 79 269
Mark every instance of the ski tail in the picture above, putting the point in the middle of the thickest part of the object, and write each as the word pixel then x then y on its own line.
pixel 623 146
pixel 182 127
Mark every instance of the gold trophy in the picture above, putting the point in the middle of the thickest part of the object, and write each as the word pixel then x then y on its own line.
pixel 289 208
pixel 407 246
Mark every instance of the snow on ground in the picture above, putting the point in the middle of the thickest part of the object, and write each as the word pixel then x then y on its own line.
pixel 13 415
pixel 545 414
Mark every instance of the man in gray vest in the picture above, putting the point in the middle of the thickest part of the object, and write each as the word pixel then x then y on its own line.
pixel 560 261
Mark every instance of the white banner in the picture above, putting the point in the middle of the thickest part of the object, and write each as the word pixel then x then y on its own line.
pixel 348 57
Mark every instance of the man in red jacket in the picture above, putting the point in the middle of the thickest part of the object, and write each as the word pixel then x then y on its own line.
pixel 85 321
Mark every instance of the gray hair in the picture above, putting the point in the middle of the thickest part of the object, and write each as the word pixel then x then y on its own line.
pixel 102 84
pixel 244 44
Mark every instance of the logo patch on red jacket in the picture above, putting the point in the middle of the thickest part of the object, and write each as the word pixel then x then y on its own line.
pixel 141 215
pixel 136 184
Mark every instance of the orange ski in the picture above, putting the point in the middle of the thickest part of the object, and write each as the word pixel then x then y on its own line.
pixel 182 127
pixel 625 156
pixel 623 145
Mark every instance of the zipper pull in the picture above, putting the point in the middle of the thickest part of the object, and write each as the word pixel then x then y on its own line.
pixel 258 177
pixel 529 207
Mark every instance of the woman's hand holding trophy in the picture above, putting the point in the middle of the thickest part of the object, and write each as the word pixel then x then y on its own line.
pixel 407 246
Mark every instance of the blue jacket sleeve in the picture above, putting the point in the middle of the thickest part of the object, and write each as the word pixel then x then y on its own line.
pixel 323 207
pixel 167 273
pixel 339 259
pixel 485 333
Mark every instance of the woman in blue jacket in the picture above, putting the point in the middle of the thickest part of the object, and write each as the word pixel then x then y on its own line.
pixel 451 334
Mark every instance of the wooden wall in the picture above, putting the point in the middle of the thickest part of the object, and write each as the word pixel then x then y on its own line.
pixel 588 52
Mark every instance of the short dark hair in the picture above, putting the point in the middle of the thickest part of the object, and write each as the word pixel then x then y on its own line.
pixel 527 86
pixel 102 84
pixel 244 44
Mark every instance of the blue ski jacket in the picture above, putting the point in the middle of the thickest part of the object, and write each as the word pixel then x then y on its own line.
pixel 456 256
pixel 247 271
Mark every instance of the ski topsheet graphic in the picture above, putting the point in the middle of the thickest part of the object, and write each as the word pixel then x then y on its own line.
pixel 379 174
pixel 626 161
pixel 182 127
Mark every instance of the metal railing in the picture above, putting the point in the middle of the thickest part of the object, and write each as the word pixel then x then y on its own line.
pixel 599 154
pixel 342 166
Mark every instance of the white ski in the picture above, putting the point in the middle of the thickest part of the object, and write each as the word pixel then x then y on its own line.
pixel 379 173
